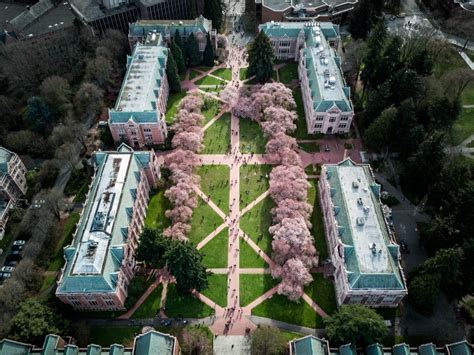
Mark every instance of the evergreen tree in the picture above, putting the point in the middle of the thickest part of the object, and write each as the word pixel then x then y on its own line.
pixel 423 291
pixel 378 136
pixel 372 59
pixel 192 51
pixel 208 59
pixel 184 262
pixel 214 11
pixel 38 115
pixel 178 57
pixel 152 248
pixel 260 58
pixel 172 74
pixel 180 43
pixel 364 17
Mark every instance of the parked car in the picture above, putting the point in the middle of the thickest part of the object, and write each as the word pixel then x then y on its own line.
pixel 18 247
pixel 5 275
pixel 19 242
pixel 11 263
pixel 7 268
pixel 15 255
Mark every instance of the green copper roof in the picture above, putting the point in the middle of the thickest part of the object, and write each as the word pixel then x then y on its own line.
pixel 50 344
pixel 310 345
pixel 361 225
pixel 101 275
pixel 323 65
pixel 427 349
pixel 154 343
pixel 5 156
pixel 374 349
pixel 460 348
pixel 11 347
pixel 169 27
pixel 347 349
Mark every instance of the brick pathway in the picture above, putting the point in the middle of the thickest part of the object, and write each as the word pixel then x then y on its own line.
pixel 233 319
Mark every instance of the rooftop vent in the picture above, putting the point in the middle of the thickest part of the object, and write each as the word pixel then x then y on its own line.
pixel 360 221
pixel 359 201
pixel 355 184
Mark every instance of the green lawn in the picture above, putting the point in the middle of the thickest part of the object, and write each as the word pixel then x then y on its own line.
pixel 243 73
pixel 468 95
pixel 255 224
pixel 173 101
pixel 66 238
pixel 249 258
pixel 48 281
pixel 251 137
pixel 253 182
pixel 463 127
pixel 217 136
pixel 204 221
pixel 217 290
pixel 215 252
pixel 185 306
pixel 288 336
pixel 288 73
pixel 254 285
pixel 155 215
pixel 106 336
pixel 224 73
pixel 193 74
pixel 137 288
pixel 280 308
pixel 204 69
pixel 310 147
pixel 209 80
pixel 448 60
pixel 215 184
pixel 317 221
pixel 209 110
pixel 301 128
pixel 322 292
pixel 151 306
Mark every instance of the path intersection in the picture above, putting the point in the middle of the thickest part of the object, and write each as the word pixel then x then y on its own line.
pixel 235 319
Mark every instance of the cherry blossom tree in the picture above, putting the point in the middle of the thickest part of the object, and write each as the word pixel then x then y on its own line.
pixel 229 95
pixel 182 160
pixel 278 120
pixel 191 103
pixel 292 209
pixel 280 94
pixel 177 231
pixel 191 141
pixel 294 276
pixel 288 182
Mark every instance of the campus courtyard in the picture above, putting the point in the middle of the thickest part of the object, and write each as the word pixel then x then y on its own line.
pixel 230 223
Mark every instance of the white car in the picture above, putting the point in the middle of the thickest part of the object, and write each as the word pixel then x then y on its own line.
pixel 19 242
pixel 7 269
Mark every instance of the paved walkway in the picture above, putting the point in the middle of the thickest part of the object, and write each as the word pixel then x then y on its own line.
pixel 234 319
pixel 142 299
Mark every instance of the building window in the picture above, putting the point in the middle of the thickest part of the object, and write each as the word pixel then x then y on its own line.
pixel 342 125
pixel 284 44
pixel 332 119
pixel 319 118
pixel 344 118
pixel 110 303
pixel 147 130
pixel 121 130
pixel 93 303
pixel 318 125
pixel 76 303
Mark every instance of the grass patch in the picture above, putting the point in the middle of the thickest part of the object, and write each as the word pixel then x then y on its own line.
pixel 288 336
pixel 194 74
pixel 185 306
pixel 151 306
pixel 217 136
pixel 288 73
pixel 249 258
pixel 136 289
pixel 215 252
pixel 48 281
pixel 204 221
pixel 280 308
pixel 274 75
pixel 203 68
pixel 253 182
pixel 251 137
pixel 310 147
pixel 254 285
pixel 66 238
pixel 217 290
pixel 255 224
pixel 106 336
pixel 467 95
pixel 172 107
pixel 215 184
pixel 322 292
pixel 155 215
pixel 224 73
pixel 209 80
pixel 301 127
pixel 317 229
pixel 209 109
pixel 463 127
pixel 243 73
pixel 447 61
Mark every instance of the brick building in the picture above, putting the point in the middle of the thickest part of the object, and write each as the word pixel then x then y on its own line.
pixel 361 244
pixel 326 97
pixel 138 116
pixel 12 184
pixel 100 261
